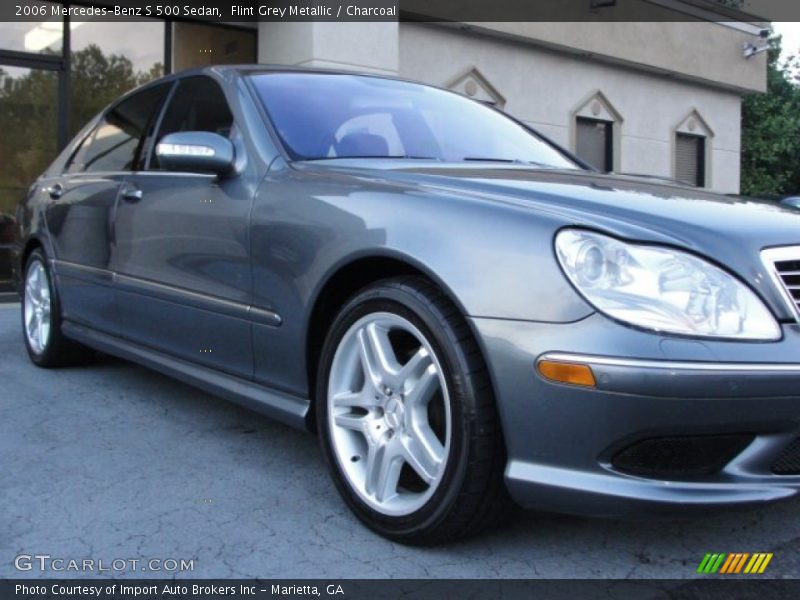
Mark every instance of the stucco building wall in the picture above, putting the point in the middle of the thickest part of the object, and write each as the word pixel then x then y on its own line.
pixel 652 79
pixel 546 88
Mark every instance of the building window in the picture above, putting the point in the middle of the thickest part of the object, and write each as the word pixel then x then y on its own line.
pixel 596 133
pixel 196 45
pixel 594 142
pixel 692 150
pixel 690 159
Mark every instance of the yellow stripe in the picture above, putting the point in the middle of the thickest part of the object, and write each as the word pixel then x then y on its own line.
pixel 765 563
pixel 753 561
pixel 724 568
pixel 761 558
pixel 741 562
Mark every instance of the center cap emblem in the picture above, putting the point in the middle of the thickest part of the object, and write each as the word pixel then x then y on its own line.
pixel 394 413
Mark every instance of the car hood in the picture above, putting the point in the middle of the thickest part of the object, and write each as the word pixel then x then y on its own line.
pixel 729 230
pixel 666 209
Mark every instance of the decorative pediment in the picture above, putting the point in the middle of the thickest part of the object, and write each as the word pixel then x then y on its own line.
pixel 694 124
pixel 597 106
pixel 474 85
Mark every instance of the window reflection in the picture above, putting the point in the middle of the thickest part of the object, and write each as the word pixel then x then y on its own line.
pixel 117 140
pixel 109 59
pixel 27 144
pixel 39 37
pixel 29 129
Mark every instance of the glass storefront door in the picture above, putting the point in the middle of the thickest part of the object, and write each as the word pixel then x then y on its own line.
pixel 29 141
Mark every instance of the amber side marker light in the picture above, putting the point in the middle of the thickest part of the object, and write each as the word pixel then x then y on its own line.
pixel 564 372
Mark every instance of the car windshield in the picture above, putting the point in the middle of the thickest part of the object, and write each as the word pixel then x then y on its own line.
pixel 323 116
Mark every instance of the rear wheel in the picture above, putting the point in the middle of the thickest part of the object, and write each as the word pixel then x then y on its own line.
pixel 41 318
pixel 407 417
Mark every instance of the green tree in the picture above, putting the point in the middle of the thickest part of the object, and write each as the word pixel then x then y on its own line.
pixel 98 79
pixel 771 131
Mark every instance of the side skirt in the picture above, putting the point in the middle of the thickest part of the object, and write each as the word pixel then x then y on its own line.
pixel 283 407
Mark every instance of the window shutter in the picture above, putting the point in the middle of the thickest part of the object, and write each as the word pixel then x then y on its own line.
pixel 593 142
pixel 690 159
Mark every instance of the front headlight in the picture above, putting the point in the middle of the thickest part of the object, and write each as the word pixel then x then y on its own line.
pixel 662 289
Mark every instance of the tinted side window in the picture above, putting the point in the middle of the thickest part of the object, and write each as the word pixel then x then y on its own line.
pixel 198 104
pixel 117 141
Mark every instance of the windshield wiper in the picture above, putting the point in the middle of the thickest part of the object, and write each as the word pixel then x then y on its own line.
pixel 513 161
pixel 396 156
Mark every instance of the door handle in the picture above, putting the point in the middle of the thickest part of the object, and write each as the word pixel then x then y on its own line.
pixel 132 194
pixel 55 191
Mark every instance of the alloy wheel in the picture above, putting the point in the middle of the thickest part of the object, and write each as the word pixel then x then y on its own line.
pixel 37 307
pixel 389 413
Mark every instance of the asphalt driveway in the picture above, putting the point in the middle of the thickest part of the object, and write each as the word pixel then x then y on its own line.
pixel 112 461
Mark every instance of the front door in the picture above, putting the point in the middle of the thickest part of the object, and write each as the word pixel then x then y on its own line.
pixel 81 204
pixel 182 264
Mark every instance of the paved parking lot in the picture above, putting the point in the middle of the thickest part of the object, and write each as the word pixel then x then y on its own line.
pixel 112 461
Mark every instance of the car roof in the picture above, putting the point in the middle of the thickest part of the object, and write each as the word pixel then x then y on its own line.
pixel 251 68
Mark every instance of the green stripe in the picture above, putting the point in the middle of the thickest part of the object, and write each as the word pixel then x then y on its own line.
pixel 718 564
pixel 703 564
pixel 711 562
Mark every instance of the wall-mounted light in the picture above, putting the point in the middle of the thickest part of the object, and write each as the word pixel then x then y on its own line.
pixel 749 49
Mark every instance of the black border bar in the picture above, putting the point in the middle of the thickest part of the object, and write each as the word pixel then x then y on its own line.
pixel 238 11
pixel 412 589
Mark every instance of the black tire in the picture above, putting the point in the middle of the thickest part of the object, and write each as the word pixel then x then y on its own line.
pixel 471 494
pixel 57 351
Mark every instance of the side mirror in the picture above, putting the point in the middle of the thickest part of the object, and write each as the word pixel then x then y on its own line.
pixel 196 151
pixel 791 202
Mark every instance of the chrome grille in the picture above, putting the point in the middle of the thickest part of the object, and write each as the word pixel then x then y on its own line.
pixel 784 267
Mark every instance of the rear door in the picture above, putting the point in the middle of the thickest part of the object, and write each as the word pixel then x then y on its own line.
pixel 80 213
pixel 184 284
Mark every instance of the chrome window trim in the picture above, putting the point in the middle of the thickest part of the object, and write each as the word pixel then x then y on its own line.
pixel 668 365
pixel 769 256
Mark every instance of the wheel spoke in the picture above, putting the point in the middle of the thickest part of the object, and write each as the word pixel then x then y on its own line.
pixel 423 389
pixel 384 464
pixel 414 369
pixel 373 373
pixel 424 453
pixel 32 325
pixel 31 294
pixel 41 282
pixel 351 421
pixel 44 331
pixel 363 399
pixel 382 358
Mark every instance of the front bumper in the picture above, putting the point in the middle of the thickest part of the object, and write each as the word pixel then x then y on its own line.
pixel 562 440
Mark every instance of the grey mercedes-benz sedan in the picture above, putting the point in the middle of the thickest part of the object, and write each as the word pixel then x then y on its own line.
pixel 464 312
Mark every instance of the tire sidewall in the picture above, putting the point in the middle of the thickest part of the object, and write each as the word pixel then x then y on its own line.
pixel 384 297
